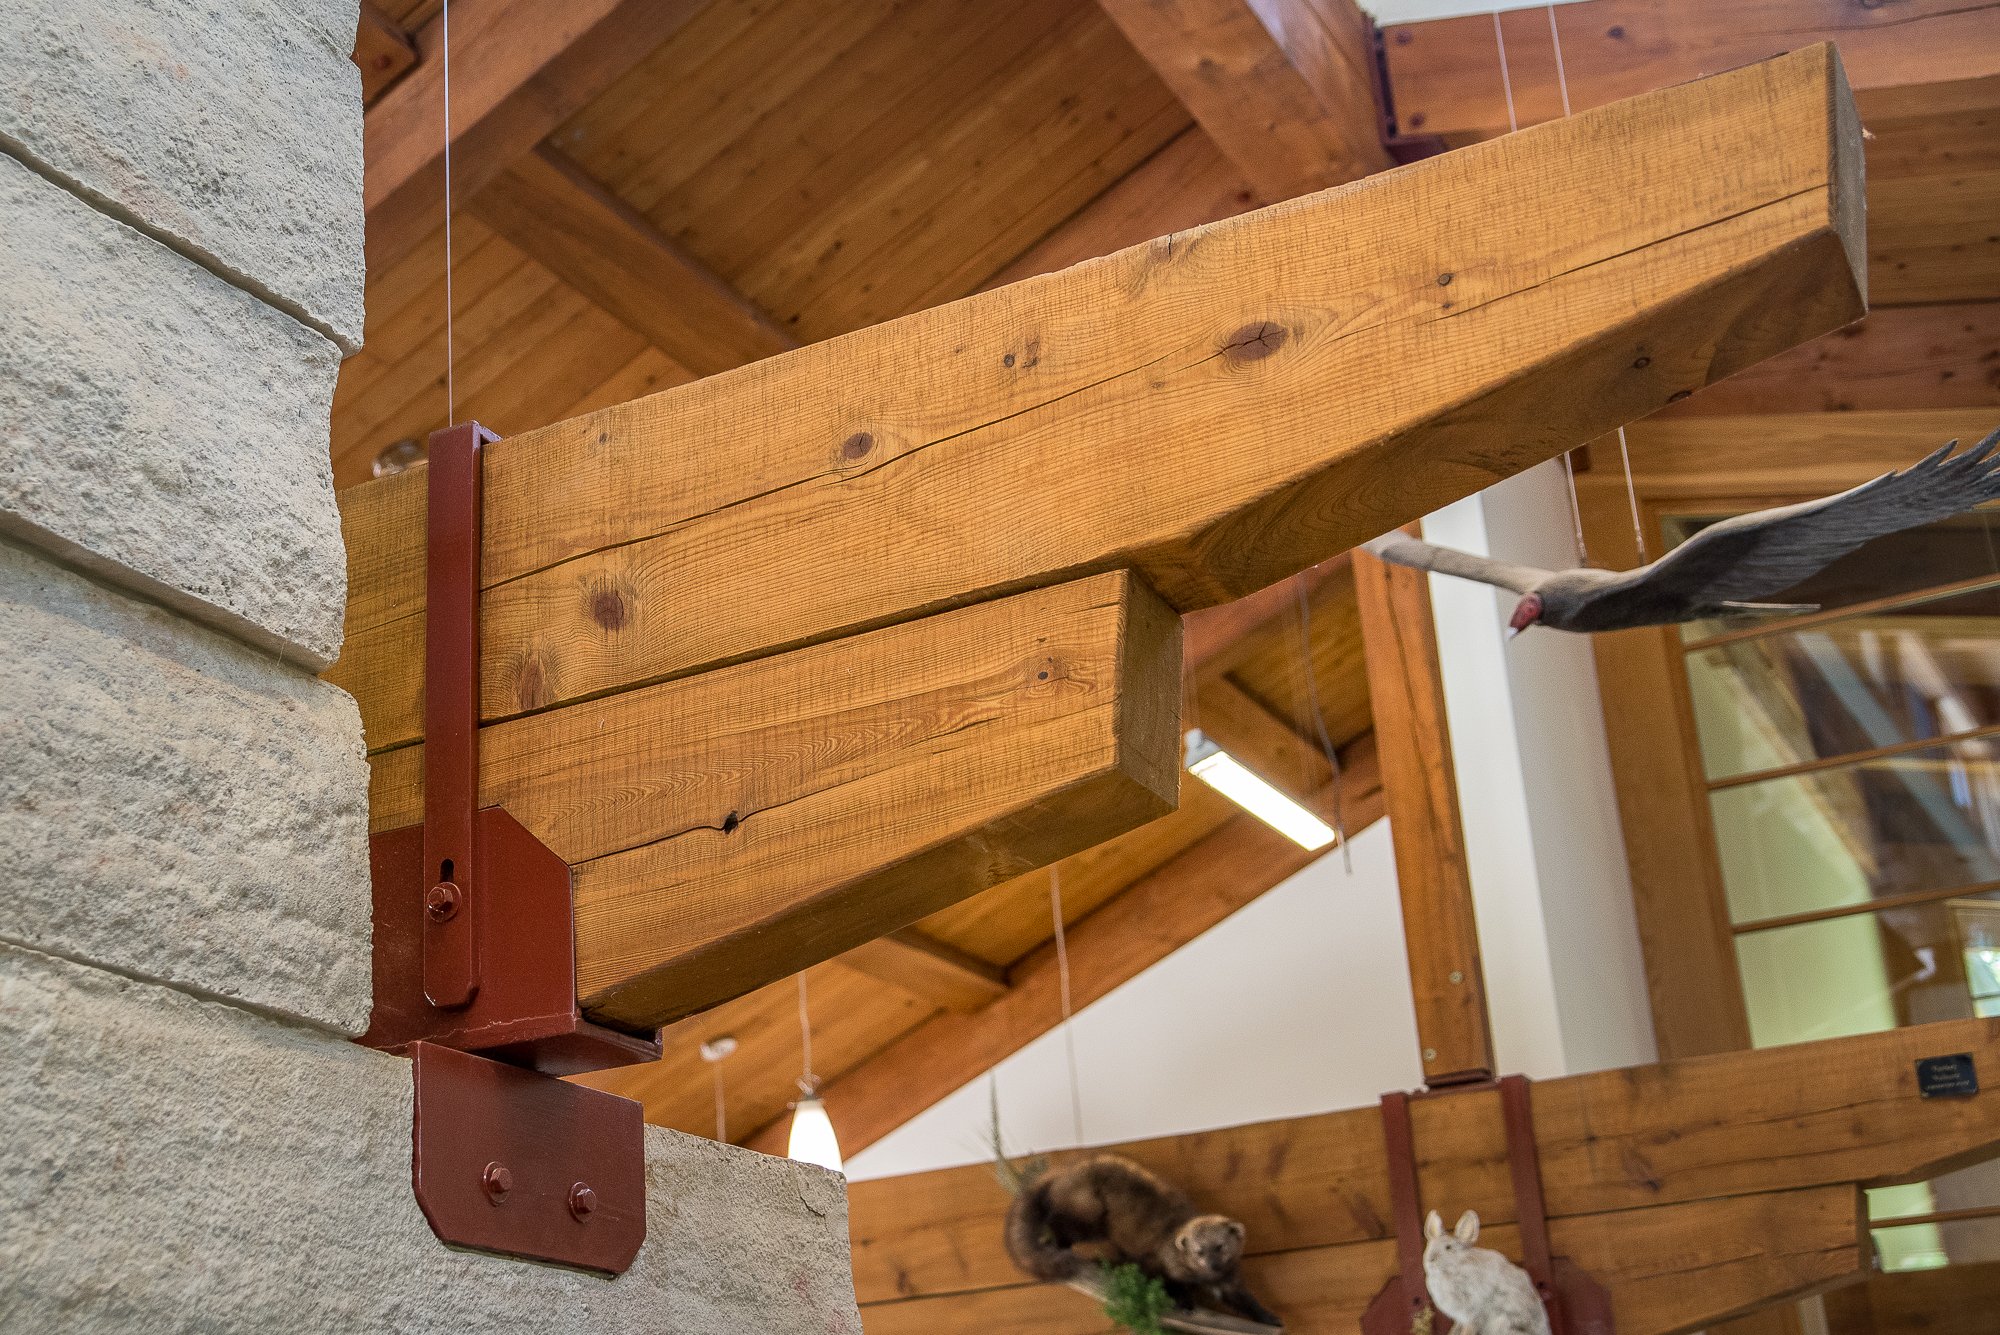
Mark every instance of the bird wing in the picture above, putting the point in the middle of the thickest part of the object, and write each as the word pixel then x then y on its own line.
pixel 1403 550
pixel 1751 556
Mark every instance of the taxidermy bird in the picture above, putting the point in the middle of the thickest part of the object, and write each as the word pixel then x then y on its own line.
pixel 1727 566
pixel 1482 1291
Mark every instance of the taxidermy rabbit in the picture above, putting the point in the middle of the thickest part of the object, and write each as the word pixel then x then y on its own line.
pixel 1478 1288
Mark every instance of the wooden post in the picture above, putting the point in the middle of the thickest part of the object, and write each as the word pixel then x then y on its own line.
pixel 1420 792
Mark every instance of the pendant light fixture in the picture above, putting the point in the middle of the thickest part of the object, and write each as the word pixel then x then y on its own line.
pixel 1235 781
pixel 812 1138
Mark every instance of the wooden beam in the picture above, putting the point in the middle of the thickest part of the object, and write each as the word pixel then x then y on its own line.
pixel 1899 357
pixel 1146 922
pixel 1669 1269
pixel 930 968
pixel 1955 1300
pixel 1420 788
pixel 1445 77
pixel 599 245
pixel 1818 1115
pixel 732 828
pixel 1284 87
pixel 1215 634
pixel 1078 421
pixel 383 52
pixel 520 68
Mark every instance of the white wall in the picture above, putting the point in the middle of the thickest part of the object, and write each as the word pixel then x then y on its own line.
pixel 1412 11
pixel 1298 1003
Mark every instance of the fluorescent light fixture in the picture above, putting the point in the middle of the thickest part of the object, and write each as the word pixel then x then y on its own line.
pixel 812 1135
pixel 1226 774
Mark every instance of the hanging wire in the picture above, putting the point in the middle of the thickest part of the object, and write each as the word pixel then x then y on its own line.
pixel 1506 80
pixel 808 1082
pixel 1632 498
pixel 450 388
pixel 1319 720
pixel 1555 40
pixel 1062 978
pixel 721 1106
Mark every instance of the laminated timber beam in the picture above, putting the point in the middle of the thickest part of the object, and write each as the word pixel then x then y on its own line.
pixel 1217 410
pixel 1695 1190
pixel 732 828
pixel 1616 48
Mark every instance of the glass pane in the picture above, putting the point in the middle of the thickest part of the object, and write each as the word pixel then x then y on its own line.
pixel 1929 1246
pixel 1967 547
pixel 1866 971
pixel 1923 820
pixel 1924 669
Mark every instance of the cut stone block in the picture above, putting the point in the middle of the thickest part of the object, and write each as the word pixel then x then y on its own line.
pixel 176 804
pixel 233 128
pixel 173 1164
pixel 164 429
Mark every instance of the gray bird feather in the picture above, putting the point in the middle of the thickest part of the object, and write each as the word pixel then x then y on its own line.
pixel 1731 565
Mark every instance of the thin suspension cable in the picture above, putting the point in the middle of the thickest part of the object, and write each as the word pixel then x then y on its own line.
pixel 1506 80
pixel 1555 40
pixel 450 388
pixel 1062 978
pixel 808 1082
pixel 1319 721
pixel 1632 498
pixel 721 1107
pixel 1575 509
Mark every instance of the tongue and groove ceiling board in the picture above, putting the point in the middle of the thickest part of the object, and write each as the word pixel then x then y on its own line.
pixel 841 164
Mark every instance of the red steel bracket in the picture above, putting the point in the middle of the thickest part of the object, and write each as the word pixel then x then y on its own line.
pixel 1576 1303
pixel 475 952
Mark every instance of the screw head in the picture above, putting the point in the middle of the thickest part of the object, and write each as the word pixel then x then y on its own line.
pixel 582 1200
pixel 497 1180
pixel 443 901
pixel 1457 977
pixel 1430 1054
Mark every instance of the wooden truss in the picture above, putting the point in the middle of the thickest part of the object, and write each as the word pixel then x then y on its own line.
pixel 784 659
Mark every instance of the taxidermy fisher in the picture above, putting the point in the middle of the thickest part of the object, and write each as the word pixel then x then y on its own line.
pixel 1727 566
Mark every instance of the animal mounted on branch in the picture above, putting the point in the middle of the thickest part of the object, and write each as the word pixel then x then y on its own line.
pixel 1482 1291
pixel 1139 1219
pixel 1729 565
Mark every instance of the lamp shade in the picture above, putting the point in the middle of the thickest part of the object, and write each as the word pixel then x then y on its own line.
pixel 812 1135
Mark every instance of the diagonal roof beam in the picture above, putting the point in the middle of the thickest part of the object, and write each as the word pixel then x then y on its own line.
pixel 1284 87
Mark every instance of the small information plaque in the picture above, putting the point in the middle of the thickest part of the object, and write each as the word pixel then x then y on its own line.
pixel 1952 1077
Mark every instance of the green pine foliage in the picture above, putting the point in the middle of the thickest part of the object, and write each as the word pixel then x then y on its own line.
pixel 1135 1300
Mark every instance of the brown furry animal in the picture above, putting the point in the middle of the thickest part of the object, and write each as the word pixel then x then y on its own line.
pixel 1141 1219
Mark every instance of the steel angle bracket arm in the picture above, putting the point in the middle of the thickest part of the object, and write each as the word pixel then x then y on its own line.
pixel 475 968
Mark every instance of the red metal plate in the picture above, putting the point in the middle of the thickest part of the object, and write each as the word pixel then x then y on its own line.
pixel 525 1009
pixel 508 1161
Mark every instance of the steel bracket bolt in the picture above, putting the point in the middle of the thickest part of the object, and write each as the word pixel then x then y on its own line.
pixel 582 1200
pixel 1430 1054
pixel 442 901
pixel 1457 977
pixel 497 1180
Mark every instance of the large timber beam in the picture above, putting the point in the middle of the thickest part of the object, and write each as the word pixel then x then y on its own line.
pixel 520 68
pixel 732 828
pixel 1285 87
pixel 1445 74
pixel 1734 1174
pixel 1217 410
pixel 595 242
pixel 1142 925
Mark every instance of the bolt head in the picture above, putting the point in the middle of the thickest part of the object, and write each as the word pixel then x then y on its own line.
pixel 1457 977
pixel 443 901
pixel 498 1180
pixel 1430 1054
pixel 582 1200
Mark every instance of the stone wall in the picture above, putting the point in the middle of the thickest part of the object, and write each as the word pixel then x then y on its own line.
pixel 187 1139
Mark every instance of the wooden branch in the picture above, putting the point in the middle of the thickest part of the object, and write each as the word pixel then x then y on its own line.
pixel 1393 362
pixel 1286 88
pixel 1670 1269
pixel 1444 74
pixel 1815 1118
pixel 608 251
pixel 1420 788
pixel 732 828
pixel 383 52
pixel 1148 921
pixel 520 68
pixel 930 968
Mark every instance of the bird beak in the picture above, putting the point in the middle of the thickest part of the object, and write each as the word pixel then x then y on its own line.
pixel 1512 631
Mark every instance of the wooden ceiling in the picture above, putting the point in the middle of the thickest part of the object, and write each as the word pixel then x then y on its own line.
pixel 685 185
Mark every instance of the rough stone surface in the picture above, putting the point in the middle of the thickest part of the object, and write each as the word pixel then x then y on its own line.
pixel 175 1165
pixel 176 804
pixel 232 126
pixel 162 428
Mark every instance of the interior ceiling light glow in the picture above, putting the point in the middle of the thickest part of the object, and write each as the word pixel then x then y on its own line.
pixel 812 1135
pixel 1227 775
